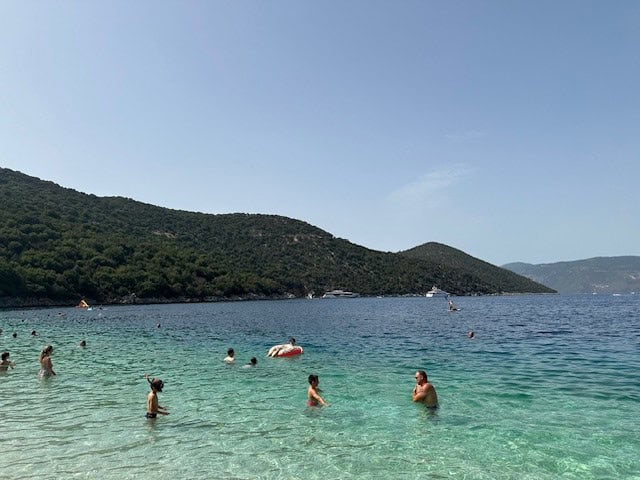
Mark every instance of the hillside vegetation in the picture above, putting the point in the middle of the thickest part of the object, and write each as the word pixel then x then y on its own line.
pixel 58 245
pixel 499 279
pixel 593 275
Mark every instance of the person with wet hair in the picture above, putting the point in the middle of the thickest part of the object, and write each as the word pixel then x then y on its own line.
pixel 46 366
pixel 424 391
pixel 313 393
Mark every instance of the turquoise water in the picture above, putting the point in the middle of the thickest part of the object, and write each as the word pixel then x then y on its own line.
pixel 548 389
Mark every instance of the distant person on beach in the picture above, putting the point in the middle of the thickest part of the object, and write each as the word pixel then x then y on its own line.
pixel 153 408
pixel 313 393
pixel 424 391
pixel 46 367
pixel 230 358
pixel 5 363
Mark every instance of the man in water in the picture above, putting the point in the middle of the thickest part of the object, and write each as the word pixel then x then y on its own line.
pixel 424 391
pixel 230 358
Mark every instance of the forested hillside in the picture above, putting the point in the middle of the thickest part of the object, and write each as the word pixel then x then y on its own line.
pixel 592 275
pixel 58 245
pixel 500 279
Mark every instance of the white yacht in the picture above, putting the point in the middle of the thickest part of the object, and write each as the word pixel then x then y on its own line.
pixel 436 292
pixel 340 294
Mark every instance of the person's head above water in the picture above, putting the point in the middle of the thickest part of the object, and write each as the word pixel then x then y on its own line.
pixel 421 376
pixel 156 384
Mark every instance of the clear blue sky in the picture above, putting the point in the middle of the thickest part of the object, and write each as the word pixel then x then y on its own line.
pixel 508 129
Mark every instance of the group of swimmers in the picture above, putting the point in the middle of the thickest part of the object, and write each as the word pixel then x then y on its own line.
pixel 231 358
pixel 423 392
pixel 46 365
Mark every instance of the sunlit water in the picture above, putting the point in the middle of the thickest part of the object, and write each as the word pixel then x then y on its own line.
pixel 549 388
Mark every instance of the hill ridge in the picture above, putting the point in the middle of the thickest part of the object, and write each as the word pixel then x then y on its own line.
pixel 58 245
pixel 617 274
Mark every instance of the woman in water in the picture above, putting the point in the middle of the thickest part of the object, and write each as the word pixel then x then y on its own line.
pixel 46 367
pixel 313 396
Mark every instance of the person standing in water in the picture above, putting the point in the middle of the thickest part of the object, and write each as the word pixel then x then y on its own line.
pixel 424 391
pixel 46 367
pixel 230 358
pixel 313 396
pixel 5 363
pixel 153 408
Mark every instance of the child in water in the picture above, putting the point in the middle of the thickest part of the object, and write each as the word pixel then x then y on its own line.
pixel 153 409
pixel 313 396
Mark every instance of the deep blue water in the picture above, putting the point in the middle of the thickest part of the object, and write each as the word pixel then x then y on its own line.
pixel 549 388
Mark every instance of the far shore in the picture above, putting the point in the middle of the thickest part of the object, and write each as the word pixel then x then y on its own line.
pixel 8 303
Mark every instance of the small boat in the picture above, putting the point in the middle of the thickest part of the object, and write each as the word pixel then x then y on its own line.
pixel 340 294
pixel 436 292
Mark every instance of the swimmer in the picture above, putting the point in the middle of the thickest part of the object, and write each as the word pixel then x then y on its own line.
pixel 424 391
pixel 5 363
pixel 276 350
pixel 230 358
pixel 46 367
pixel 153 409
pixel 313 396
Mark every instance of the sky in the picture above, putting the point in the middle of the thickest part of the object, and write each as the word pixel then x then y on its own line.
pixel 508 129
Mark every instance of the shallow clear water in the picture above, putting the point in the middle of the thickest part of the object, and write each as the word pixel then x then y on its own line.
pixel 548 389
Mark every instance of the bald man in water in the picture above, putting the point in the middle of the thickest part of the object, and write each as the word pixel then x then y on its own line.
pixel 424 391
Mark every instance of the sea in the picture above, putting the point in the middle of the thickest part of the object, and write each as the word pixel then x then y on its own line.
pixel 549 388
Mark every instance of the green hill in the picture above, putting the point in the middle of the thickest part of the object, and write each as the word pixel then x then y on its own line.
pixel 593 275
pixel 58 245
pixel 485 274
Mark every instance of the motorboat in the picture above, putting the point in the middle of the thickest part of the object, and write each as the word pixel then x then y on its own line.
pixel 340 294
pixel 436 292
